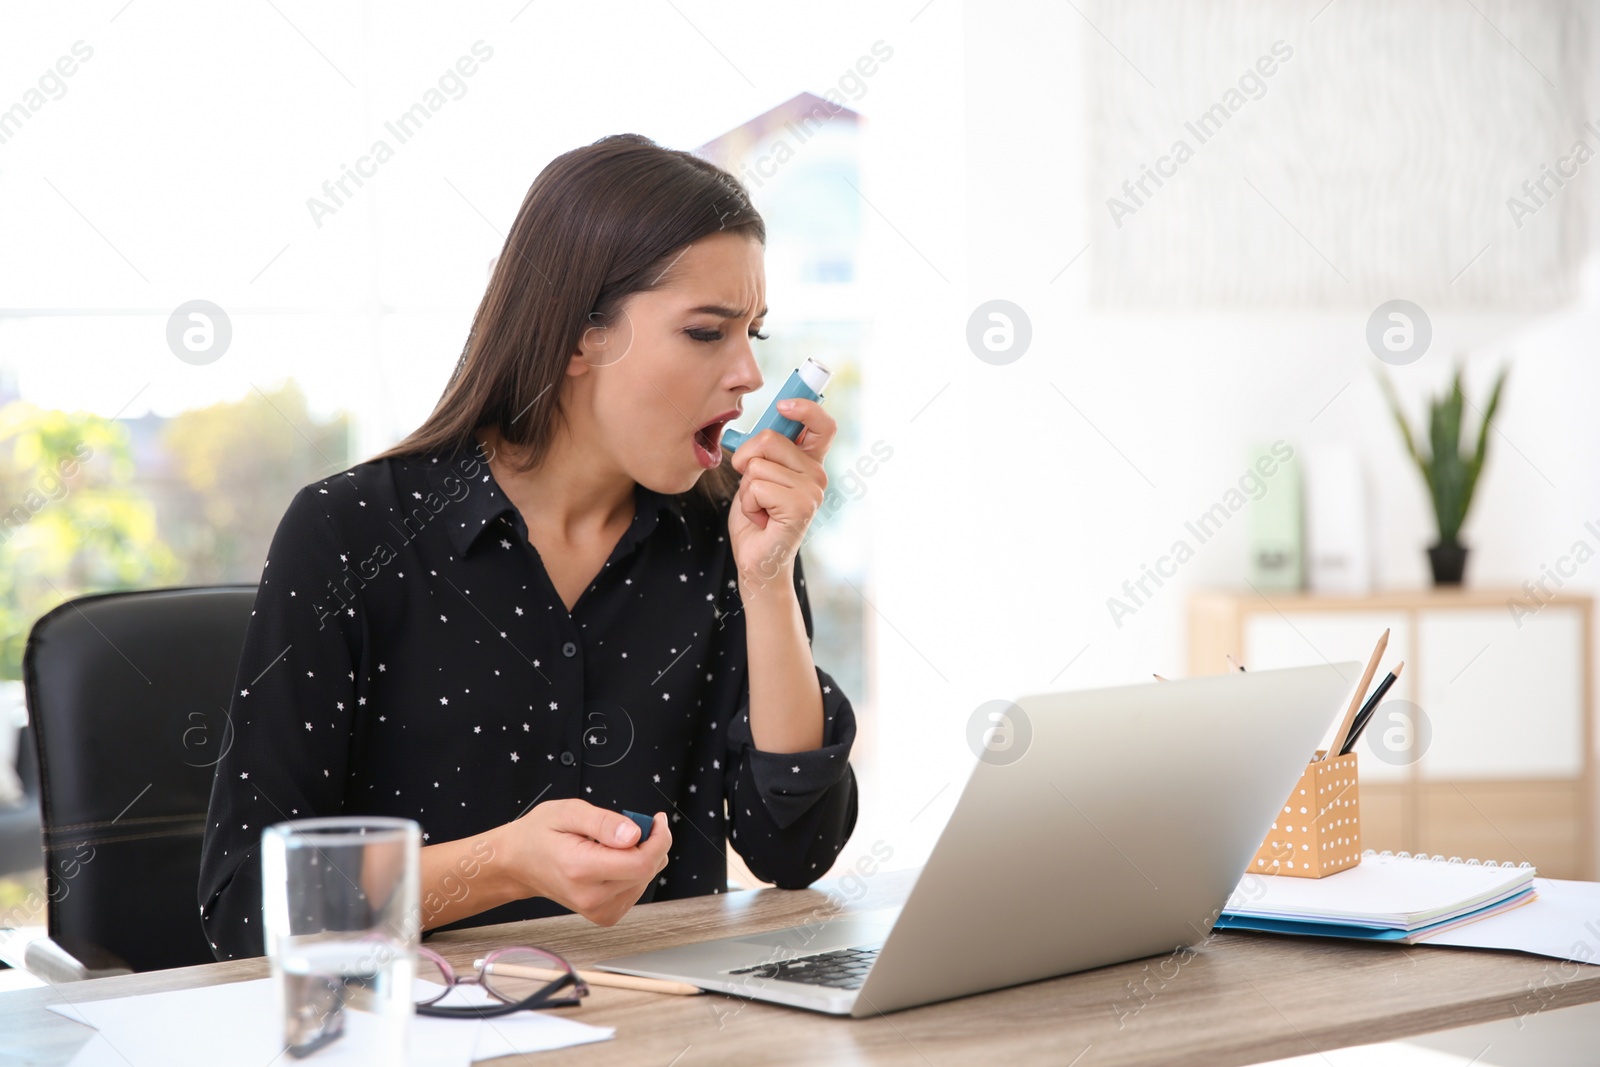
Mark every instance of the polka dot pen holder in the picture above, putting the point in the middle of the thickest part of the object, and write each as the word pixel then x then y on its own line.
pixel 1317 831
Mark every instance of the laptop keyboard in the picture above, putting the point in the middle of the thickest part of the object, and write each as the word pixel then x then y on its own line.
pixel 844 968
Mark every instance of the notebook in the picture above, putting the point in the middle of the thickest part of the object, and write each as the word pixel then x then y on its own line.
pixel 1563 921
pixel 1386 897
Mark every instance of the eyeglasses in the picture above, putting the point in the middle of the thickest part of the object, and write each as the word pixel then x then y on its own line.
pixel 522 979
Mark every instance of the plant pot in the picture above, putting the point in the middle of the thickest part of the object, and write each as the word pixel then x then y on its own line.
pixel 1449 560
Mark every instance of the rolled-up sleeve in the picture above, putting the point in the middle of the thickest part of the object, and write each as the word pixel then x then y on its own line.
pixel 291 718
pixel 792 812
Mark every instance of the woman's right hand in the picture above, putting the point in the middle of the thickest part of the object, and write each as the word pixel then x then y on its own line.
pixel 585 858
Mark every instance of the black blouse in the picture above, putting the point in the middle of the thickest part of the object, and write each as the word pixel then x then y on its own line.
pixel 409 656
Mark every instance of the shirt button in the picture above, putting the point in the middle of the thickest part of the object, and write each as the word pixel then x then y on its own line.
pixel 569 650
pixel 568 759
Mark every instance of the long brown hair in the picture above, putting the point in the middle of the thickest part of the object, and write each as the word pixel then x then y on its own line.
pixel 599 224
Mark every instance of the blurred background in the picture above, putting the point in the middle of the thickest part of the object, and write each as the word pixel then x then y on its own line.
pixel 1114 292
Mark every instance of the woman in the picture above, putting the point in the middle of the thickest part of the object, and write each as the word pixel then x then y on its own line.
pixel 554 601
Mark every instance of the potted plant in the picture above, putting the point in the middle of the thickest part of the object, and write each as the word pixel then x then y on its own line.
pixel 1449 470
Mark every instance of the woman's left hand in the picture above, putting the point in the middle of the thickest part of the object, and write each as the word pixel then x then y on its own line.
pixel 781 490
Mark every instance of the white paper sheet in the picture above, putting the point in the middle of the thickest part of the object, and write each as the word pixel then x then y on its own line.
pixel 1562 921
pixel 237 1023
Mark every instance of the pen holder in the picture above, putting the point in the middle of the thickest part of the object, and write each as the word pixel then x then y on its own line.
pixel 1317 832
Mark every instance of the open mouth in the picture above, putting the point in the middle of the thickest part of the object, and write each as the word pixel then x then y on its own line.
pixel 708 435
pixel 707 439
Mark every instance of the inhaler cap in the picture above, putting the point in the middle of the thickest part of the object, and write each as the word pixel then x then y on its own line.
pixel 815 375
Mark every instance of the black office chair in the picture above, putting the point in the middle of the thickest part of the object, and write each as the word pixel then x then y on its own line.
pixel 128 697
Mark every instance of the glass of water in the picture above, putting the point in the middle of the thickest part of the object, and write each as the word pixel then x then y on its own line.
pixel 342 926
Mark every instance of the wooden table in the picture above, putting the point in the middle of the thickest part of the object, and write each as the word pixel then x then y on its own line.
pixel 1239 998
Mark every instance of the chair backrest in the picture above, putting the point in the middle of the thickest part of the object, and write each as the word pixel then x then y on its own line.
pixel 128 697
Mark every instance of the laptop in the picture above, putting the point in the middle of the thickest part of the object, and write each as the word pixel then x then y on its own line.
pixel 1119 832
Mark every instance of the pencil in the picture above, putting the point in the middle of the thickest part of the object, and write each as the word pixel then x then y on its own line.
pixel 1234 665
pixel 1360 693
pixel 1158 677
pixel 1364 716
pixel 599 978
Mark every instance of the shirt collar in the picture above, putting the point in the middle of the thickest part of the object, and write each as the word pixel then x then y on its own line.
pixel 473 503
pixel 653 510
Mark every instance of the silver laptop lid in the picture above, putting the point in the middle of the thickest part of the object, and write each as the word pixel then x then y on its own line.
pixel 1117 833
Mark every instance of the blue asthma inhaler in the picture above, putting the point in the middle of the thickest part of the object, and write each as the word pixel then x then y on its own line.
pixel 805 383
pixel 644 822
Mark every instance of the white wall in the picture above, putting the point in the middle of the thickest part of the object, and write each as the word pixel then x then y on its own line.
pixel 1013 518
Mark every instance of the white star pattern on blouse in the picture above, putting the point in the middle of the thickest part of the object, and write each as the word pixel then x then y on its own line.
pixel 376 764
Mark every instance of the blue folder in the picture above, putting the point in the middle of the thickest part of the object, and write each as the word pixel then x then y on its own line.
pixel 1228 921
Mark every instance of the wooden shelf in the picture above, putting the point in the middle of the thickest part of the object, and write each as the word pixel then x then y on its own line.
pixel 1509 772
pixel 1418 599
